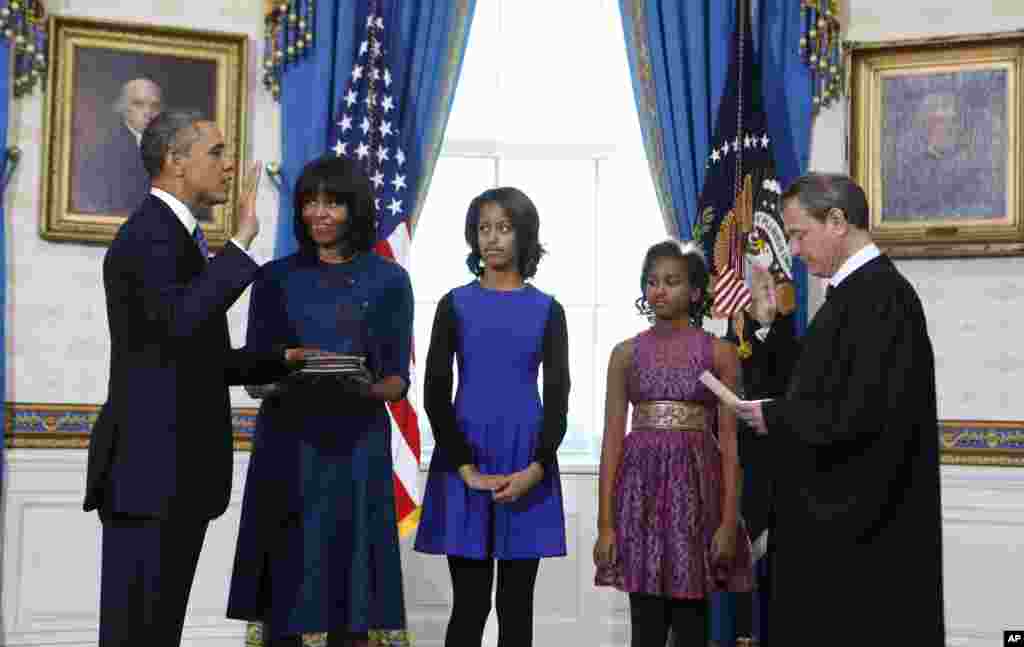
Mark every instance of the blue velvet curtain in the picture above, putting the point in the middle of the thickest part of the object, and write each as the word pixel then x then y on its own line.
pixel 5 164
pixel 786 84
pixel 426 41
pixel 678 56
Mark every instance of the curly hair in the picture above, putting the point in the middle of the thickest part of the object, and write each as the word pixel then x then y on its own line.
pixel 343 181
pixel 525 221
pixel 696 275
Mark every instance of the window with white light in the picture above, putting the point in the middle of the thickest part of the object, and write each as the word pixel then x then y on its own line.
pixel 554 116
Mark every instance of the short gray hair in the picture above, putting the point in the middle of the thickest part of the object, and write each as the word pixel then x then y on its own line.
pixel 121 104
pixel 168 132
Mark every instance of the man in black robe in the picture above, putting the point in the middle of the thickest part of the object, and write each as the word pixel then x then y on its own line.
pixel 854 443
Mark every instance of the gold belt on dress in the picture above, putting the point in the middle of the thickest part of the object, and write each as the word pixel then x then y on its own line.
pixel 669 415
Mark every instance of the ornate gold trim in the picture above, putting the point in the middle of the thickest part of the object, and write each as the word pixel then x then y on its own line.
pixel 870 65
pixel 669 415
pixel 982 442
pixel 67 426
pixel 229 53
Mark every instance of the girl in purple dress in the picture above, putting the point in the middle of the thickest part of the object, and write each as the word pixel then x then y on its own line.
pixel 668 527
pixel 494 493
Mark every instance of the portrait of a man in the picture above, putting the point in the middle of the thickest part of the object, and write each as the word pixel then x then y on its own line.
pixel 96 189
pixel 117 95
pixel 944 146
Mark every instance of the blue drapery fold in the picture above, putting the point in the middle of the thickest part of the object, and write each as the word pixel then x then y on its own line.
pixel 427 43
pixel 678 55
pixel 678 58
pixel 5 162
pixel 786 83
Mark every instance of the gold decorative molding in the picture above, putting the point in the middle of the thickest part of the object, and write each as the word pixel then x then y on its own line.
pixel 997 443
pixel 67 426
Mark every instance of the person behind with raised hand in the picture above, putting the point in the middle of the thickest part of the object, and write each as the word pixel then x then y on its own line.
pixel 494 491
pixel 669 534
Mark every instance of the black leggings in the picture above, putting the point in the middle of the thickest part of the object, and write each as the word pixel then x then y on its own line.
pixel 472 580
pixel 652 615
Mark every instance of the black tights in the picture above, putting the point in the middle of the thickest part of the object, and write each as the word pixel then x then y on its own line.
pixel 652 615
pixel 472 580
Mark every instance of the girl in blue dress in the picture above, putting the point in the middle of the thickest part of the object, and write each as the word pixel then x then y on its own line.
pixel 494 493
pixel 318 542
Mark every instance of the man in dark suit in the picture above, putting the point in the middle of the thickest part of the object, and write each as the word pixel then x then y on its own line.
pixel 160 457
pixel 854 443
pixel 111 178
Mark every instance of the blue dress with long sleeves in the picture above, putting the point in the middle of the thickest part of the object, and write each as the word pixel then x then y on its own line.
pixel 318 542
pixel 498 422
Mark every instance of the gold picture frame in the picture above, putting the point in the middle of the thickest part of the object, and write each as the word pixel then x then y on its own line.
pixel 935 141
pixel 105 80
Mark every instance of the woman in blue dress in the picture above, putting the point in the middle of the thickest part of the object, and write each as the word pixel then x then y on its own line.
pixel 318 544
pixel 493 492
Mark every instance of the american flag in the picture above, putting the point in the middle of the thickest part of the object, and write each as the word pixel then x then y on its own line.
pixel 365 129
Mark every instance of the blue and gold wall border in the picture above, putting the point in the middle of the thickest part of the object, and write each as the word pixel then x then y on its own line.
pixel 982 442
pixel 67 426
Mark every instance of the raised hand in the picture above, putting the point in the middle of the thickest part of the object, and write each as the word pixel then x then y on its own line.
pixel 764 303
pixel 248 223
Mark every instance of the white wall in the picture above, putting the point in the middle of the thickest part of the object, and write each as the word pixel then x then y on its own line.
pixel 57 352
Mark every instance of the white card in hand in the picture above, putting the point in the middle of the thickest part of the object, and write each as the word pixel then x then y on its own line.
pixel 722 391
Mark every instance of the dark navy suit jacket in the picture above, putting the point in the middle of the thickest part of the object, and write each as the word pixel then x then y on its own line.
pixel 162 445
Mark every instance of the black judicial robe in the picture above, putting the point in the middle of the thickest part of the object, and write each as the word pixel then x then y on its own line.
pixel 858 532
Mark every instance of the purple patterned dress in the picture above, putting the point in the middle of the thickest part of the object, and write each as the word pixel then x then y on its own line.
pixel 668 485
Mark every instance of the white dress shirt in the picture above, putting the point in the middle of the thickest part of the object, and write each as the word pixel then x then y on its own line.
pixel 184 214
pixel 866 254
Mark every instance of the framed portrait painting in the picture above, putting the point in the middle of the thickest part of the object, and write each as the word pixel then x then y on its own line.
pixel 107 80
pixel 935 142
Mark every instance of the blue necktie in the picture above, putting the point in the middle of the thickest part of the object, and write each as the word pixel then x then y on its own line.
pixel 200 239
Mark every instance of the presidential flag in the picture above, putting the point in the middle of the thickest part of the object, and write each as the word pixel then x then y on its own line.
pixel 739 222
pixel 365 129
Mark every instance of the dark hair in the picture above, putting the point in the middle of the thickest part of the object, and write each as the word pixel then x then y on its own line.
pixel 696 275
pixel 172 131
pixel 819 193
pixel 523 214
pixel 343 181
